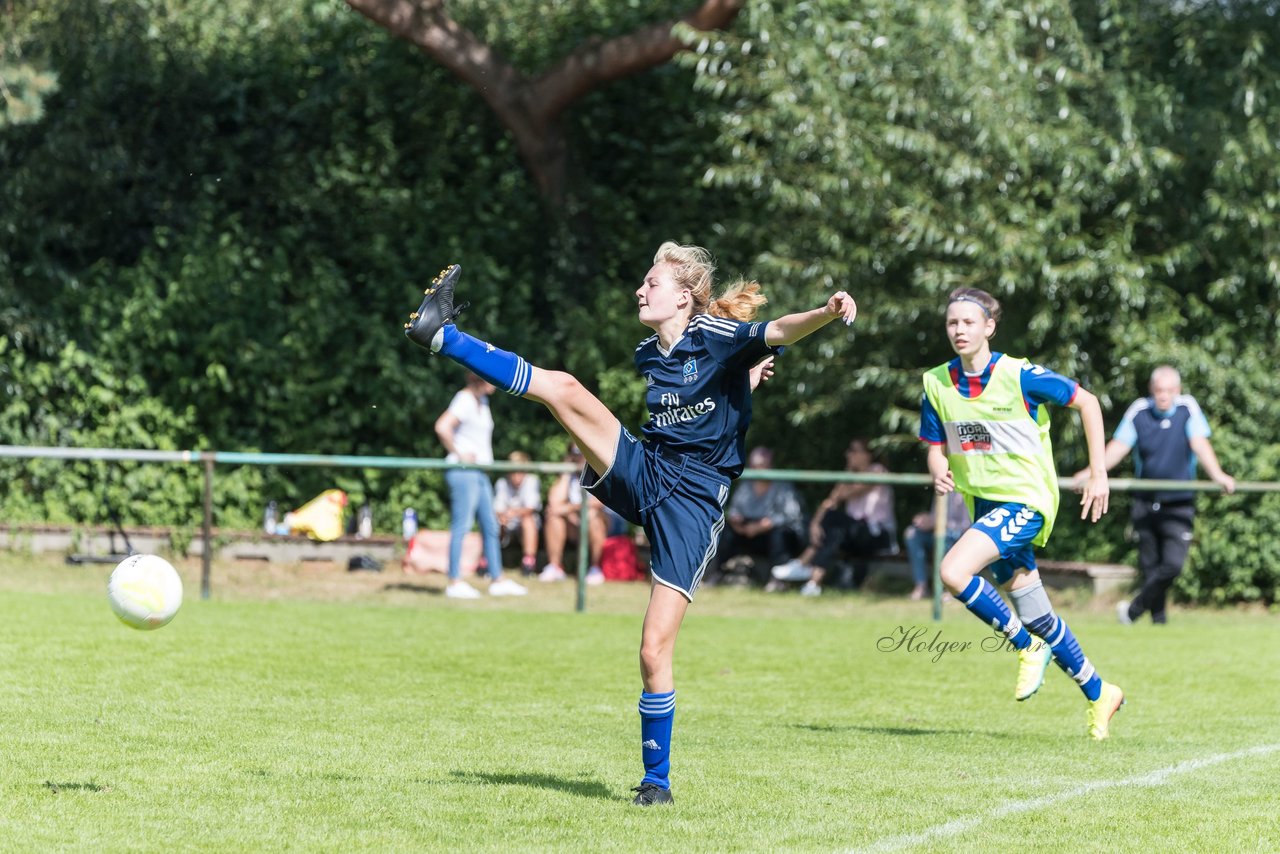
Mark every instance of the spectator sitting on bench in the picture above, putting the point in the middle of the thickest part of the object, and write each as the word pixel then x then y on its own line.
pixel 919 540
pixel 561 522
pixel 765 519
pixel 517 500
pixel 854 522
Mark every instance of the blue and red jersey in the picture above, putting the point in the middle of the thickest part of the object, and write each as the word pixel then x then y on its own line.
pixel 1040 386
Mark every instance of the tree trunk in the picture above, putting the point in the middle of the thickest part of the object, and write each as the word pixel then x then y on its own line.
pixel 532 108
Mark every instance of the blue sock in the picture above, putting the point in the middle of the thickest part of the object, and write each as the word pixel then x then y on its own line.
pixel 1067 653
pixel 985 603
pixel 657 711
pixel 504 369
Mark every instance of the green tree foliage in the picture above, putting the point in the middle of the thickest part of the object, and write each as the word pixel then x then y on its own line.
pixel 239 202
pixel 1104 168
pixel 211 236
pixel 23 84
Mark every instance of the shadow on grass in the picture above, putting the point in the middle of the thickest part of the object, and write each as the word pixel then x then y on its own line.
pixel 892 730
pixel 582 788
pixel 72 787
pixel 414 588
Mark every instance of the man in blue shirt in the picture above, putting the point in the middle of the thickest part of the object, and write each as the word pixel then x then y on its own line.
pixel 1168 434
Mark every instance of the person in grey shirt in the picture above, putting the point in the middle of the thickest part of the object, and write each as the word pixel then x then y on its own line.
pixel 765 519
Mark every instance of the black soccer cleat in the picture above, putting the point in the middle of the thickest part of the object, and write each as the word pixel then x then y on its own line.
pixel 437 308
pixel 648 794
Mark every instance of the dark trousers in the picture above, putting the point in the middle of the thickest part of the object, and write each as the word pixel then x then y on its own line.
pixel 1164 538
pixel 777 545
pixel 845 537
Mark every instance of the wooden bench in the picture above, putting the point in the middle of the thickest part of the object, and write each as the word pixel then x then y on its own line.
pixel 1104 578
pixel 92 542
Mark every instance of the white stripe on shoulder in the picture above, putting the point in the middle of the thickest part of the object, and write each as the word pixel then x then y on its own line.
pixel 1140 405
pixel 648 340
pixel 709 319
pixel 720 326
pixel 1189 402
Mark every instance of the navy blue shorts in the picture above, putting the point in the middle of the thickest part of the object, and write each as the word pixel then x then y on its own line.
pixel 678 500
pixel 1012 527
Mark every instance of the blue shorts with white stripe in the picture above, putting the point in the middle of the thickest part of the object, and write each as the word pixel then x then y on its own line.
pixel 676 498
pixel 1012 527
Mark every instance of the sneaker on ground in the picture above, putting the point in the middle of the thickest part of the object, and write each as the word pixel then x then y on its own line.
pixel 436 310
pixel 1032 663
pixel 595 575
pixel 1103 709
pixel 551 572
pixel 811 588
pixel 461 590
pixel 507 587
pixel 648 794
pixel 1122 613
pixel 792 570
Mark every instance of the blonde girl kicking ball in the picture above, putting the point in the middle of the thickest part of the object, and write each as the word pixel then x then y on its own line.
pixel 705 355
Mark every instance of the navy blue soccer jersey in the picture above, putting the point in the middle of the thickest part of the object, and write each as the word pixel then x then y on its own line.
pixel 699 393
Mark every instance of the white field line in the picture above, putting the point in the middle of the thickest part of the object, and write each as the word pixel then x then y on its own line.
pixel 1151 778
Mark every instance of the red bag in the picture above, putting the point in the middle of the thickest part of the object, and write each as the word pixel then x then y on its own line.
pixel 620 560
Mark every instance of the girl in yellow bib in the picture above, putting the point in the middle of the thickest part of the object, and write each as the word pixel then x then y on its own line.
pixel 985 420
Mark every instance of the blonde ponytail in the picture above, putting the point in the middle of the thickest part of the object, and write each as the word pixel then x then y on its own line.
pixel 740 301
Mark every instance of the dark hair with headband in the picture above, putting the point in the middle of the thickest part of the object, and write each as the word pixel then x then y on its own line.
pixel 990 305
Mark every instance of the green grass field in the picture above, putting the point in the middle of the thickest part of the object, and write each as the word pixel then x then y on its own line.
pixel 307 709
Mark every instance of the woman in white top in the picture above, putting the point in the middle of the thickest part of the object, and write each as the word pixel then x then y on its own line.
pixel 466 431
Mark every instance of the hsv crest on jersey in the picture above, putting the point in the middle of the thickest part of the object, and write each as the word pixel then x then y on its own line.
pixel 690 371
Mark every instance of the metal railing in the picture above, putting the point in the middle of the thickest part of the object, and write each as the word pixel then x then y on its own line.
pixel 209 459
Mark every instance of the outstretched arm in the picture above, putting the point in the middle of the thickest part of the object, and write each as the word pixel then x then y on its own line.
pixel 1097 491
pixel 792 327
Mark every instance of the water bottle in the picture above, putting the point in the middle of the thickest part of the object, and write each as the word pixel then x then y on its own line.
pixel 409 526
pixel 364 522
pixel 269 518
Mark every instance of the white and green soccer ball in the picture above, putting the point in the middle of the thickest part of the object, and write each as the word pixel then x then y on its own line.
pixel 145 591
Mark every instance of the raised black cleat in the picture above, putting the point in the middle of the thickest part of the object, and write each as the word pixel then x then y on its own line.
pixel 437 308
pixel 648 794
